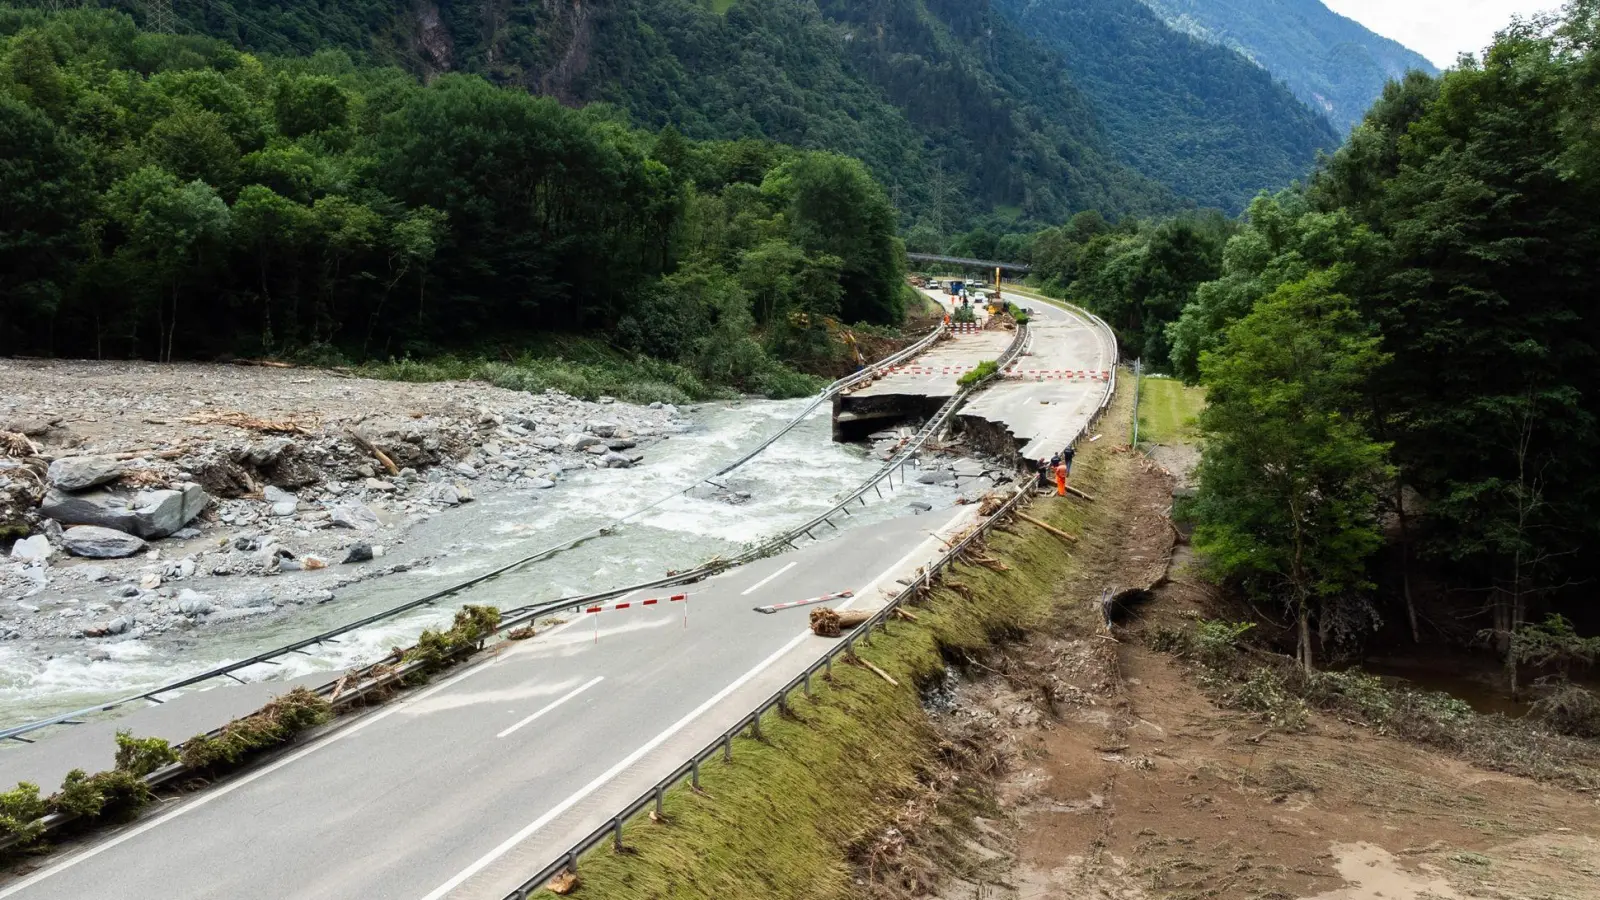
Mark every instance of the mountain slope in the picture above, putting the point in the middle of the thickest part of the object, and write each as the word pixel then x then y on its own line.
pixel 1332 63
pixel 952 104
pixel 1190 114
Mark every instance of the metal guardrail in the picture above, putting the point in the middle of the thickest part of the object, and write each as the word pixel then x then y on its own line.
pixel 1110 333
pixel 897 463
pixel 655 796
pixel 356 684
pixel 16 732
pixel 779 700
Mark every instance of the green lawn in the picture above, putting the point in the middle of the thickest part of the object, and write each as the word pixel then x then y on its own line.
pixel 1168 410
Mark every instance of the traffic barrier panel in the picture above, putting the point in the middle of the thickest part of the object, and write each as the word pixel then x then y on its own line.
pixel 836 595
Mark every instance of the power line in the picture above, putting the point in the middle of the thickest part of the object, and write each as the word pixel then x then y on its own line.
pixel 160 15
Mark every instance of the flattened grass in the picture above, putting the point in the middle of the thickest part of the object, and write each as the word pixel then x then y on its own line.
pixel 1169 411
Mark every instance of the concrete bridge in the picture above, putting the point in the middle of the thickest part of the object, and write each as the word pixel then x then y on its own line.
pixel 985 264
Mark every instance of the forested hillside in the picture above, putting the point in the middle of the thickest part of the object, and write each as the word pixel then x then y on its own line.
pixel 954 106
pixel 1332 63
pixel 1400 362
pixel 1194 116
pixel 167 197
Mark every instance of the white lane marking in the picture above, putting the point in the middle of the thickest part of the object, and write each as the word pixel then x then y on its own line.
pixel 754 587
pixel 886 573
pixel 229 788
pixel 600 781
pixel 555 703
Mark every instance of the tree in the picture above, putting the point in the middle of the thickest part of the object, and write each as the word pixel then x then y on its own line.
pixel 836 209
pixel 172 229
pixel 42 195
pixel 1287 503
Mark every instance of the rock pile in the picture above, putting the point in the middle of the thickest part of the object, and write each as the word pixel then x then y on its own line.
pixel 191 519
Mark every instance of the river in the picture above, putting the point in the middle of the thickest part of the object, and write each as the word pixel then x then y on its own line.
pixel 790 482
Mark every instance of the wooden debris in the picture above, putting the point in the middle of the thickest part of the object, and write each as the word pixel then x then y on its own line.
pixel 903 613
pixel 564 883
pixel 238 419
pixel 1047 527
pixel 520 634
pixel 825 622
pixel 828 622
pixel 988 562
pixel 1073 490
pixel 851 618
pixel 265 363
pixel 17 444
pixel 370 447
pixel 879 672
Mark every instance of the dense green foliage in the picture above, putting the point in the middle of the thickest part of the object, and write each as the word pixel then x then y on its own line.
pixel 170 196
pixel 1196 117
pixel 954 106
pixel 1138 276
pixel 1332 63
pixel 1289 480
pixel 1458 221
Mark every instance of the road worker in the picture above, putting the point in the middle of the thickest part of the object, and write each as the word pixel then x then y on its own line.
pixel 1061 479
pixel 1044 473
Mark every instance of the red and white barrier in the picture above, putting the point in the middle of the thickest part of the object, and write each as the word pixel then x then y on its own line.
pixel 836 595
pixel 1058 374
pixel 653 601
pixel 675 598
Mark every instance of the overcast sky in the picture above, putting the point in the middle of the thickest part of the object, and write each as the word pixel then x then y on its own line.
pixel 1439 29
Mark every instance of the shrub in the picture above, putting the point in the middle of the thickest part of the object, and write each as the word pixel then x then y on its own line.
pixel 1569 710
pixel 141 756
pixel 437 649
pixel 20 811
pixel 1355 692
pixel 1214 641
pixel 276 723
pixel 981 371
pixel 116 794
pixel 1266 694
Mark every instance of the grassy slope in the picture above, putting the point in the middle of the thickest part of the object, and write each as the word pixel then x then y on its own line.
pixel 782 819
pixel 1168 410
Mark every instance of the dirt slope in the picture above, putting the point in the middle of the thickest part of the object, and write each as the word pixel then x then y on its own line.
pixel 1141 787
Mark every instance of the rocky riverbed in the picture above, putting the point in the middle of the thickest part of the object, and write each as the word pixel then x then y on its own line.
pixel 138 499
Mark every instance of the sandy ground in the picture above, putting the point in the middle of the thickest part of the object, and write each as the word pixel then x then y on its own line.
pixel 1139 786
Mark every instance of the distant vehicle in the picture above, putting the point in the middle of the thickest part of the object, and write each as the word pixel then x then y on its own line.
pixel 956 288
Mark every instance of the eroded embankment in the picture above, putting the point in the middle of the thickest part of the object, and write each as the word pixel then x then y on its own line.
pixel 859 787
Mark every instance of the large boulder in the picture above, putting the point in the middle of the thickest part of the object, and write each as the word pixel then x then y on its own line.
pixel 148 514
pixel 580 441
pixel 356 515
pixel 100 543
pixel 32 549
pixel 157 513
pixel 99 508
pixel 603 429
pixel 79 473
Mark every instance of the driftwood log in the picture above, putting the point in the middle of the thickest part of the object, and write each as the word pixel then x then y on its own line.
pixel 829 622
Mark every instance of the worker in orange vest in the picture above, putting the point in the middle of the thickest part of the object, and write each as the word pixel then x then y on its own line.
pixel 1061 479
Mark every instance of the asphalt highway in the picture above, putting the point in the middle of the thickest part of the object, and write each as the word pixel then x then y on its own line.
pixel 1043 412
pixel 464 788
